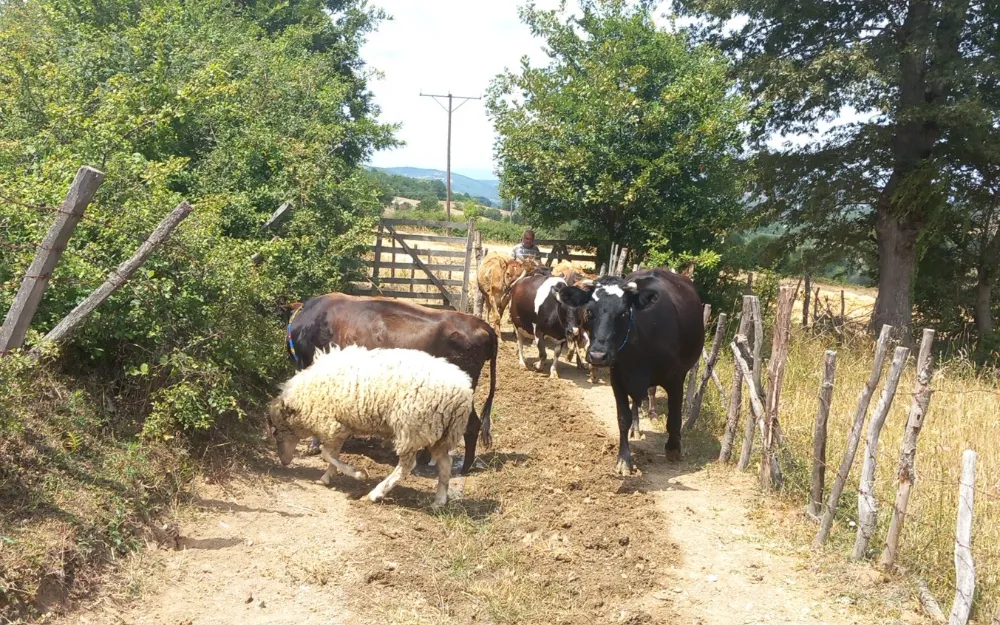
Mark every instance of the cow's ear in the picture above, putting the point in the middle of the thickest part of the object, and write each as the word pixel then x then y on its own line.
pixel 645 298
pixel 573 296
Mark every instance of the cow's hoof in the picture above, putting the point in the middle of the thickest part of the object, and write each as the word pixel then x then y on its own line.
pixel 540 367
pixel 323 481
pixel 636 434
pixel 361 475
pixel 554 375
pixel 523 365
pixel 312 451
pixel 673 455
pixel 624 467
pixel 375 496
pixel 486 439
pixel 437 504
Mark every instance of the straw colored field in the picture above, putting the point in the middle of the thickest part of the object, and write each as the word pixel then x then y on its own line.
pixel 962 415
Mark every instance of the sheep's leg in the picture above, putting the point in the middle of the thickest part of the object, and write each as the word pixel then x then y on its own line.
pixel 331 453
pixel 555 358
pixel 443 460
pixel 406 463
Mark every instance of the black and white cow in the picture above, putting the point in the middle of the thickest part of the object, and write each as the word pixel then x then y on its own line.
pixel 648 329
pixel 536 314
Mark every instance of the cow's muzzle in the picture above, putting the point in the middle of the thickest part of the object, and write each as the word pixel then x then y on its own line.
pixel 597 358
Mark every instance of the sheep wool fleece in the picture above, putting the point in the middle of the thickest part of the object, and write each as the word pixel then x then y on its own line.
pixel 404 394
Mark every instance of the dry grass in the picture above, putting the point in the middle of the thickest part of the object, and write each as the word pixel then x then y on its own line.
pixel 962 415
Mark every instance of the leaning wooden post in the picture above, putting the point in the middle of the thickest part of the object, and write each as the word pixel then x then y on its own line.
pixel 692 383
pixel 736 393
pixel 907 457
pixel 720 330
pixel 620 267
pixel 805 301
pixel 739 349
pixel 819 433
pixel 464 300
pixel 758 332
pixel 29 296
pixel 855 435
pixel 477 295
pixel 965 568
pixel 770 470
pixel 604 270
pixel 867 506
pixel 376 265
pixel 117 278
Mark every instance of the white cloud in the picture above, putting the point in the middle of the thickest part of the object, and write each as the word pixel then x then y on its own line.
pixel 437 46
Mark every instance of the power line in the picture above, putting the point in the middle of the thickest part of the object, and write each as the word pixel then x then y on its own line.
pixel 450 109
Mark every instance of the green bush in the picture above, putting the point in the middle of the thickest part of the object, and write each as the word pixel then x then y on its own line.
pixel 428 203
pixel 492 213
pixel 235 107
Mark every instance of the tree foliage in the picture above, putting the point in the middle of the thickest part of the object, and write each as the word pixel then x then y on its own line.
pixel 916 77
pixel 628 129
pixel 234 106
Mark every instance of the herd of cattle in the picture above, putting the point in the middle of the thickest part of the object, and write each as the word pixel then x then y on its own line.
pixel 646 328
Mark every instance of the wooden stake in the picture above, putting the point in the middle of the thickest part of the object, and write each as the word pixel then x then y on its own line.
pixel 477 298
pixel 720 330
pixel 929 603
pixel 463 305
pixel 117 278
pixel 770 470
pixel 736 393
pixel 29 296
pixel 907 457
pixel 965 567
pixel 378 259
pixel 758 338
pixel 738 347
pixel 819 433
pixel 854 437
pixel 866 489
pixel 692 385
pixel 805 301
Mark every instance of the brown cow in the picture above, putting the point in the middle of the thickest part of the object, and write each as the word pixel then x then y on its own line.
pixel 496 277
pixel 463 340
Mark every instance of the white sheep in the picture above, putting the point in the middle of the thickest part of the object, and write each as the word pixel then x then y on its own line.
pixel 406 395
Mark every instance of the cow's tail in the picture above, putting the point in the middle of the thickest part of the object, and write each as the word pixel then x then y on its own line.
pixel 485 436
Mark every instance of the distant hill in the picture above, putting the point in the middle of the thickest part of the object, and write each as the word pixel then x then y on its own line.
pixel 459 183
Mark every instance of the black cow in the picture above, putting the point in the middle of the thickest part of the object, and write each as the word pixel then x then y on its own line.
pixel 648 329
pixel 536 314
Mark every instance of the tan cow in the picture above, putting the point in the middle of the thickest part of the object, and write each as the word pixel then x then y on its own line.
pixel 496 277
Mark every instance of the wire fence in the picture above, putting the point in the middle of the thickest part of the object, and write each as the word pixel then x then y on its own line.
pixel 961 416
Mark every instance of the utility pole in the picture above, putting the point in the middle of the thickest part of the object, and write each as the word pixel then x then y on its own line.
pixel 450 110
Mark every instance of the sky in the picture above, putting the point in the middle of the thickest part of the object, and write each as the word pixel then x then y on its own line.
pixel 437 46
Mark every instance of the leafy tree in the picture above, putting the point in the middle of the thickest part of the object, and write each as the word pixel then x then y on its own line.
pixel 235 106
pixel 429 203
pixel 917 72
pixel 628 129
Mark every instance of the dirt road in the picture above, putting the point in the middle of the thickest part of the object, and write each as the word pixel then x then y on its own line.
pixel 544 533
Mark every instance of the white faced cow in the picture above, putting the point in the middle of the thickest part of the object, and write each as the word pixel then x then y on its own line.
pixel 536 314
pixel 648 329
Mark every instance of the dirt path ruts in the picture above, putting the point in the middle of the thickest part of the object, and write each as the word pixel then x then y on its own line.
pixel 545 534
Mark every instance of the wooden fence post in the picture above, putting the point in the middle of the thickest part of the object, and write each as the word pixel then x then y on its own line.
pixel 604 270
pixel 819 433
pixel 805 301
pixel 867 506
pixel 738 347
pixel 907 457
pixel 692 383
pixel 929 603
pixel 965 567
pixel 378 258
pixel 477 297
pixel 29 296
pixel 464 301
pixel 770 470
pixel 620 266
pixel 720 330
pixel 117 278
pixel 852 440
pixel 758 337
pixel 735 393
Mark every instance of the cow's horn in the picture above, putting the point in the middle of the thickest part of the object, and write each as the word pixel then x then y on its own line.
pixel 631 286
pixel 587 282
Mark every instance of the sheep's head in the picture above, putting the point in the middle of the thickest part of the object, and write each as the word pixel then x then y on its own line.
pixel 280 431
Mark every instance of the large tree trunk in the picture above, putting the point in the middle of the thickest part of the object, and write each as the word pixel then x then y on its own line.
pixel 897 263
pixel 984 302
